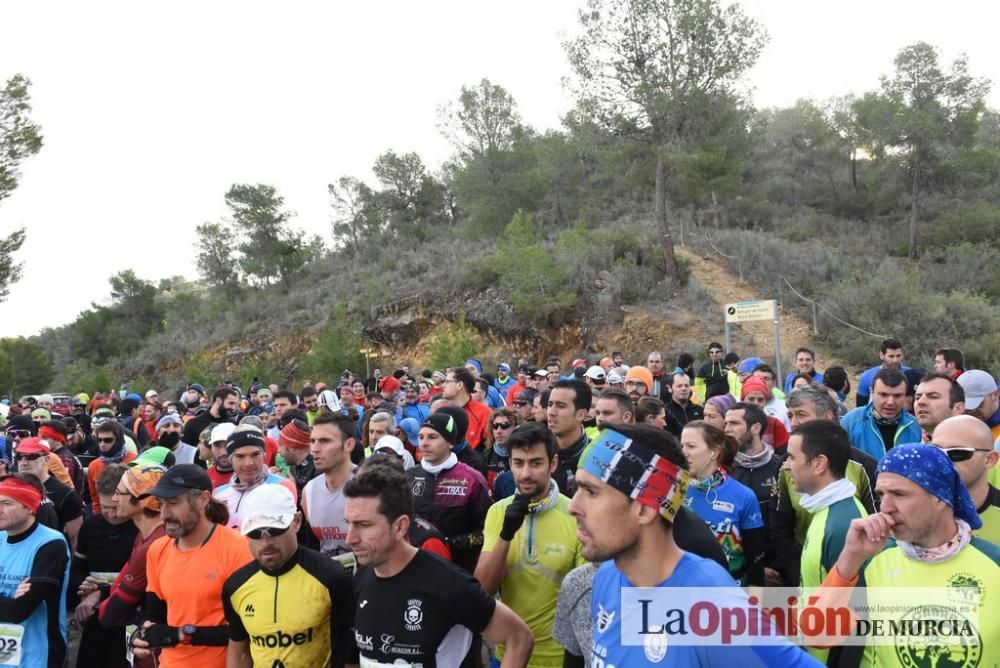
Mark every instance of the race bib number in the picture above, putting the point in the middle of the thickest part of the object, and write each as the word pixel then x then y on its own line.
pixel 129 632
pixel 11 636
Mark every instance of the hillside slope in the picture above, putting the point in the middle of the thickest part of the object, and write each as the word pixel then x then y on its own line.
pixel 757 338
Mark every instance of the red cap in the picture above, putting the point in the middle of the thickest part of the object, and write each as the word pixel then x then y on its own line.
pixel 391 384
pixel 33 445
pixel 579 362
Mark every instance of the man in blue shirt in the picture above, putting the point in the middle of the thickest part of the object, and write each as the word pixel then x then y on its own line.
pixel 630 486
pixel 890 355
pixel 34 570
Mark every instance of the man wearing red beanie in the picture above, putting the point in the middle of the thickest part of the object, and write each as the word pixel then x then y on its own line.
pixel 39 556
pixel 293 443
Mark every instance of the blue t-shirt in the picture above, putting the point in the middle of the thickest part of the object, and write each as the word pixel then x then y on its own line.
pixel 691 571
pixel 729 510
pixel 868 377
pixel 817 378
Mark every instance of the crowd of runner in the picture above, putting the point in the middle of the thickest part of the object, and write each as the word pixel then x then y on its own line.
pixel 475 516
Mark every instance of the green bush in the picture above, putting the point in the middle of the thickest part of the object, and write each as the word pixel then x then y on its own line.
pixel 337 347
pixel 891 302
pixel 536 283
pixel 452 344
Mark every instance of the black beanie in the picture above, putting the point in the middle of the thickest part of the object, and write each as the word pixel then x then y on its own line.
pixel 240 439
pixel 461 421
pixel 22 421
pixel 444 424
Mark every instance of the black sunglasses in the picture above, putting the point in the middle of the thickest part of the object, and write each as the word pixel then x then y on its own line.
pixel 18 433
pixel 963 454
pixel 500 425
pixel 30 458
pixel 520 403
pixel 106 440
pixel 270 532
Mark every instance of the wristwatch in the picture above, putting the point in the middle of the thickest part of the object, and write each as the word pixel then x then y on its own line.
pixel 187 633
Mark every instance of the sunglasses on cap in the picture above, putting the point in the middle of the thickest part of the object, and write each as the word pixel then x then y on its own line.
pixel 29 458
pixel 18 433
pixel 500 425
pixel 268 532
pixel 963 454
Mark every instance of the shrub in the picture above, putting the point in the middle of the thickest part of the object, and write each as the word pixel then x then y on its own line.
pixel 337 347
pixel 452 344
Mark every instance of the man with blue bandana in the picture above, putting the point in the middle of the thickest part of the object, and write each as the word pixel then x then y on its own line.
pixel 630 486
pixel 928 511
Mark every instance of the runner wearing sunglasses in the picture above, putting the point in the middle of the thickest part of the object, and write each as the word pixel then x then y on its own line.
pixel 969 445
pixel 291 606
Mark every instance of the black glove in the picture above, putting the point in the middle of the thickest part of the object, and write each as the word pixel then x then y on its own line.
pixel 160 635
pixel 513 518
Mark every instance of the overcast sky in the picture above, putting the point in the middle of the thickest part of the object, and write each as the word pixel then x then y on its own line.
pixel 150 111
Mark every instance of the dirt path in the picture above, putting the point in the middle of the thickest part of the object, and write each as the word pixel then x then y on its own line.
pixel 756 338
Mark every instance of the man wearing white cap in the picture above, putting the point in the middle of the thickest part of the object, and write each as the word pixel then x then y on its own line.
pixel 983 401
pixel 596 377
pixel 392 445
pixel 221 471
pixel 290 606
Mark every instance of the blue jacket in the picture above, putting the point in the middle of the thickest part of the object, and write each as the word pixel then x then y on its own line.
pixel 505 386
pixel 864 434
pixel 417 411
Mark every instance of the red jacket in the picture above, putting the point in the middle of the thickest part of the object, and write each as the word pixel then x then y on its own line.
pixel 479 433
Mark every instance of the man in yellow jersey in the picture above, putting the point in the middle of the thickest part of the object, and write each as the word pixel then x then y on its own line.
pixel 818 453
pixel 969 445
pixel 928 511
pixel 290 606
pixel 529 542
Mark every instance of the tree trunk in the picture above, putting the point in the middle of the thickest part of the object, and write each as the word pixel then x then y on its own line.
pixel 854 170
pixel 660 215
pixel 912 254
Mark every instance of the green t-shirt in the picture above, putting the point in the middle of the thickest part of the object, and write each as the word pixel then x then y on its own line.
pixel 823 543
pixel 855 473
pixel 544 550
pixel 989 513
pixel 976 566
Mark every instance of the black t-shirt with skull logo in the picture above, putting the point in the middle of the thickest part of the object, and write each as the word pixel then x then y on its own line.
pixel 425 615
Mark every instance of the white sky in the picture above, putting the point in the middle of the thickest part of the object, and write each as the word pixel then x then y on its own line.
pixel 150 111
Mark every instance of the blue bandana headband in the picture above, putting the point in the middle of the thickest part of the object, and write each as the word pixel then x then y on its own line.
pixel 929 467
pixel 638 473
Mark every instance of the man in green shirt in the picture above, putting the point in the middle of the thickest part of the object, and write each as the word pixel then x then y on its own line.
pixel 530 543
pixel 969 445
pixel 818 453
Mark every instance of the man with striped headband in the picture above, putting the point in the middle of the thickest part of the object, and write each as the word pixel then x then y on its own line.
pixel 630 486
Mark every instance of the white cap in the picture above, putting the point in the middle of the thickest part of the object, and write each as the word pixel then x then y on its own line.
pixel 615 378
pixel 977 385
pixel 596 373
pixel 271 505
pixel 151 393
pixel 221 432
pixel 390 442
